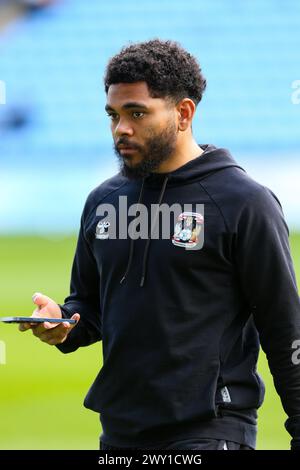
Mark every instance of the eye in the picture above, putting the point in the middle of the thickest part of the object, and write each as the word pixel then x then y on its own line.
pixel 112 116
pixel 138 114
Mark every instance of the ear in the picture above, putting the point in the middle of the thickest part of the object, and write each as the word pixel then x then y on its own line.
pixel 186 109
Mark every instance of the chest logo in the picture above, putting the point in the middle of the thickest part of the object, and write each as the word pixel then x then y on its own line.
pixel 188 229
pixel 102 230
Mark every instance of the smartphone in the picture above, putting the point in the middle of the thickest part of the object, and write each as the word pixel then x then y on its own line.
pixel 35 320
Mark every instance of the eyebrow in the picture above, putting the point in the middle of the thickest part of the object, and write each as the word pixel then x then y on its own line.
pixel 129 105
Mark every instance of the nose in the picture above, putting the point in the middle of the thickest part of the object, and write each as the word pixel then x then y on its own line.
pixel 123 128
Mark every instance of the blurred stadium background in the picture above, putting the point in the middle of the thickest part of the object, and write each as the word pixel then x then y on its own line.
pixel 55 146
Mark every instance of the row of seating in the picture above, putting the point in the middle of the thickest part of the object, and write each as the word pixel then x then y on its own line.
pixel 53 64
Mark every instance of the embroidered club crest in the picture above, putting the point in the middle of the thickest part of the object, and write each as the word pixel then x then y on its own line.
pixel 187 230
pixel 102 230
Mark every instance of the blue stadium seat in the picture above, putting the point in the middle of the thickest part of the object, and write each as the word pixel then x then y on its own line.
pixel 53 63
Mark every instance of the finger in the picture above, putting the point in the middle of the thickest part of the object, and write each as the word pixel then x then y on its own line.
pixel 55 335
pixel 43 327
pixel 75 317
pixel 24 326
pixel 70 326
pixel 59 333
pixel 40 299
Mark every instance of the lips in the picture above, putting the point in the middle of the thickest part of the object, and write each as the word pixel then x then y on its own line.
pixel 125 147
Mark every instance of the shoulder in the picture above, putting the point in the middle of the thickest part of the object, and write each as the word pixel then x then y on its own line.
pixel 238 195
pixel 258 208
pixel 102 191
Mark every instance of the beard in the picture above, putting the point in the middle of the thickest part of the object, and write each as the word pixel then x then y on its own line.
pixel 158 148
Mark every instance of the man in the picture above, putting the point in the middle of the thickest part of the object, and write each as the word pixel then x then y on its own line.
pixel 179 315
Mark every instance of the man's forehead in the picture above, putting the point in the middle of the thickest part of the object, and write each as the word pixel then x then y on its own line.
pixel 121 93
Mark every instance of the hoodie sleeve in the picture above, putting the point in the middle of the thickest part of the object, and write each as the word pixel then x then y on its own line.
pixel 83 298
pixel 268 282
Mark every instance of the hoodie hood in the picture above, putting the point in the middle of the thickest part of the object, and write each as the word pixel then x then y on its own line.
pixel 211 160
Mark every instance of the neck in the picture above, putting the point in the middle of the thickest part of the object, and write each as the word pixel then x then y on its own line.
pixel 182 155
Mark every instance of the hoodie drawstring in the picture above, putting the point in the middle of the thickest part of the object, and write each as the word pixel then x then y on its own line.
pixel 152 228
pixel 131 248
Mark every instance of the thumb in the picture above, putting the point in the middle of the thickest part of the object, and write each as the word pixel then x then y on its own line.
pixel 40 300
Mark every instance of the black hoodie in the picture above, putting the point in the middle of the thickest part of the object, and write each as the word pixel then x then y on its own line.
pixel 181 318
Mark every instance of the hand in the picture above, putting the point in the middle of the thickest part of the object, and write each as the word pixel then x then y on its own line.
pixel 49 333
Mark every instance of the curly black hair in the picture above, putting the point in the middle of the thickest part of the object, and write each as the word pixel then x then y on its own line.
pixel 168 69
